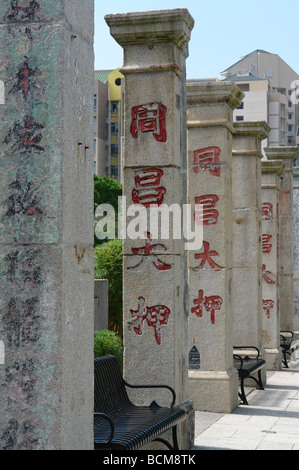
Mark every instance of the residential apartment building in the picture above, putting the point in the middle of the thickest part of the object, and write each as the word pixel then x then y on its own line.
pixel 270 86
pixel 108 123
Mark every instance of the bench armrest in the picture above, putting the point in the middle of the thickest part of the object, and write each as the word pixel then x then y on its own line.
pixel 103 415
pixel 236 356
pixel 249 347
pixel 156 386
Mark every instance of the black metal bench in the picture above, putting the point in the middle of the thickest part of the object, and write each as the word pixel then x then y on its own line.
pixel 286 339
pixel 121 425
pixel 247 363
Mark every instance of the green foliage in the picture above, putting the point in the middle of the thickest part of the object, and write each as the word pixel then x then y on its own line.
pixel 106 343
pixel 108 265
pixel 106 191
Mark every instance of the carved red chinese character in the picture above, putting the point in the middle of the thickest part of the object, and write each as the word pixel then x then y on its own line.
pixel 205 212
pixel 211 304
pixel 149 192
pixel 266 245
pixel 148 254
pixel 149 118
pixel 268 305
pixel 267 211
pixel 207 159
pixel 206 257
pixel 155 317
pixel 266 275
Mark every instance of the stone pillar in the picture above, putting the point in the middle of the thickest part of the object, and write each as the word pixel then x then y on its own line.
pixel 272 172
pixel 296 247
pixel 154 174
pixel 46 225
pixel 286 305
pixel 213 387
pixel 247 246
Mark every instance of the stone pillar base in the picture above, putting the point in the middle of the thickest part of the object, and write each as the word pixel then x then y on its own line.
pixel 214 391
pixel 273 359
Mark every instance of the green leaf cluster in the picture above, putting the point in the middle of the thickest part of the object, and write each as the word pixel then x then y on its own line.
pixel 108 343
pixel 106 191
pixel 108 262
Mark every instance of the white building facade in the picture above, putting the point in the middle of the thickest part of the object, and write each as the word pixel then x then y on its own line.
pixel 271 89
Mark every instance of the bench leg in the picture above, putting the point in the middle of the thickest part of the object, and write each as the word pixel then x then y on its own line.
pixel 285 361
pixel 175 437
pixel 259 383
pixel 175 445
pixel 242 394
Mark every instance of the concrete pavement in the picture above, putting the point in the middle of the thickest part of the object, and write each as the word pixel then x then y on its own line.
pixel 269 422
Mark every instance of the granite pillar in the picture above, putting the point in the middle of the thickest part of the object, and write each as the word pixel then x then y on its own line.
pixel 214 386
pixel 296 247
pixel 288 155
pixel 247 243
pixel 46 225
pixel 272 172
pixel 154 177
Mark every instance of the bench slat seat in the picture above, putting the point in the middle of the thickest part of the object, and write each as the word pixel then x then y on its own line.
pixel 246 365
pixel 118 423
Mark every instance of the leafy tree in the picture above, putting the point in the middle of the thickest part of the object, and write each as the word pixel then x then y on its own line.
pixel 106 343
pixel 108 265
pixel 106 191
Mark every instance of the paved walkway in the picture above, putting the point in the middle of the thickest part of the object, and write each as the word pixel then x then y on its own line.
pixel 270 422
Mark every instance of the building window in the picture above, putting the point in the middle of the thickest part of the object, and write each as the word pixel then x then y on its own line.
pixel 95 146
pixel 94 167
pixel 241 105
pixel 290 116
pixel 243 86
pixel 239 118
pixel 114 171
pixel 290 128
pixel 95 124
pixel 114 127
pixel 114 150
pixel 114 106
pixel 95 102
pixel 289 104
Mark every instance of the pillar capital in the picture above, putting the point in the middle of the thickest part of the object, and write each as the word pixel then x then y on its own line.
pixel 152 27
pixel 248 137
pixel 273 167
pixel 214 92
pixel 282 153
pixel 259 129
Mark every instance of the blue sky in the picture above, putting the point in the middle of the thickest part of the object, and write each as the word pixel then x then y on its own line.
pixel 224 31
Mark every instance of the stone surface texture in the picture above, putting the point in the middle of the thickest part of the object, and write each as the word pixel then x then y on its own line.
pixel 46 225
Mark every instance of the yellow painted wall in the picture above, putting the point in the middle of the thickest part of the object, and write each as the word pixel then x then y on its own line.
pixel 115 91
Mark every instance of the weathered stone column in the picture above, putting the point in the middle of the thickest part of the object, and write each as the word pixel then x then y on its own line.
pixel 296 247
pixel 214 386
pixel 288 155
pixel 247 243
pixel 272 172
pixel 46 225
pixel 154 174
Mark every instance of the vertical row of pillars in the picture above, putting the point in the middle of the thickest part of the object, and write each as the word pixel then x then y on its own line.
pixel 230 291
